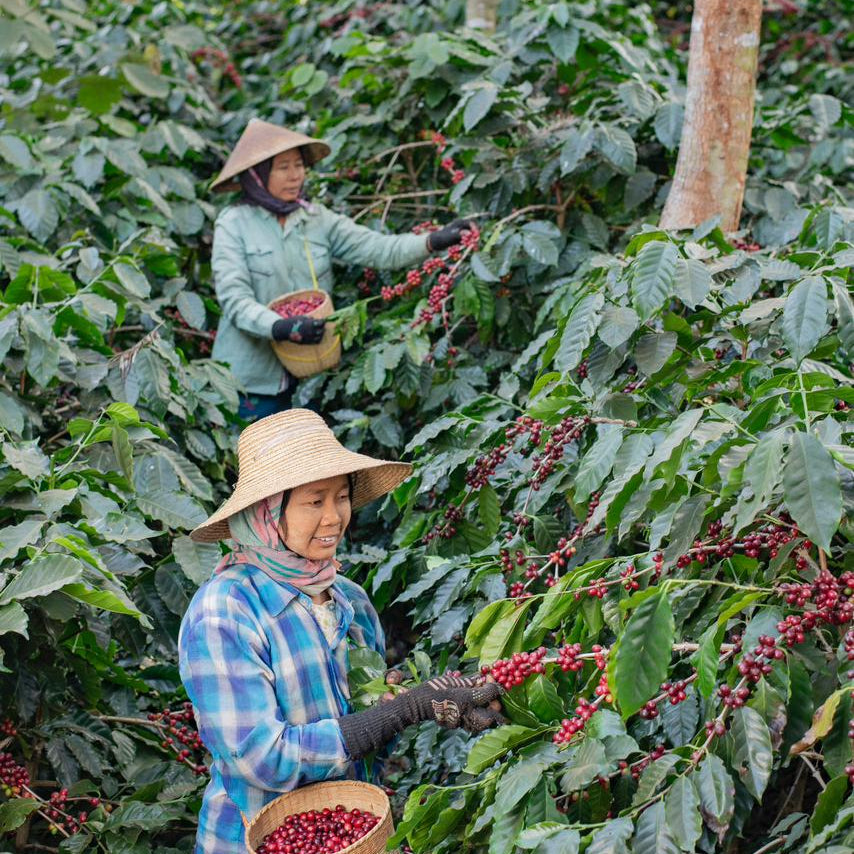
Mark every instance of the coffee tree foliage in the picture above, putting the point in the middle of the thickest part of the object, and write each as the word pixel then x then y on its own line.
pixel 632 441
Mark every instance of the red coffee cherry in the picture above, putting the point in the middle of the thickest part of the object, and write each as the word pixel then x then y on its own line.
pixel 321 831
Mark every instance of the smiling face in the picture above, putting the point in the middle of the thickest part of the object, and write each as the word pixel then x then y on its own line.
pixel 287 176
pixel 316 517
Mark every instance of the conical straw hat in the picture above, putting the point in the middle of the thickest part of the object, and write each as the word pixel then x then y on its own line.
pixel 287 450
pixel 259 141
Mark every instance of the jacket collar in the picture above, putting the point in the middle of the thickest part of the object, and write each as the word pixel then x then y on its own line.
pixel 277 595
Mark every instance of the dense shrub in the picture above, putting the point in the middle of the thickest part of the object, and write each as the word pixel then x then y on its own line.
pixel 632 447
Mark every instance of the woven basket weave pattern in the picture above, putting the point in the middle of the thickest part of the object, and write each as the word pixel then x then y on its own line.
pixel 352 794
pixel 306 360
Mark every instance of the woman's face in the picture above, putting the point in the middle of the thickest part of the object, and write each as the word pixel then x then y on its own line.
pixel 316 517
pixel 287 176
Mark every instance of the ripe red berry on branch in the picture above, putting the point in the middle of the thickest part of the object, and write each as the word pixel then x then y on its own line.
pixel 516 669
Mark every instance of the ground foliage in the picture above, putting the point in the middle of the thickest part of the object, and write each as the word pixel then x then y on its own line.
pixel 678 447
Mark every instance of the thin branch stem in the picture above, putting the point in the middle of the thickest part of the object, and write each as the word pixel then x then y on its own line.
pixel 814 771
pixel 406 146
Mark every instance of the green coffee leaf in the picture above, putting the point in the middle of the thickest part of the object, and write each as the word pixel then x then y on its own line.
pixel 753 757
pixel 812 488
pixel 643 654
pixel 805 316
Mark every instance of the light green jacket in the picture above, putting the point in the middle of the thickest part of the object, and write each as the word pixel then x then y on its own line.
pixel 255 260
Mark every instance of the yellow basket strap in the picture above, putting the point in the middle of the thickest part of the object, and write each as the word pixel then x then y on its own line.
pixel 310 264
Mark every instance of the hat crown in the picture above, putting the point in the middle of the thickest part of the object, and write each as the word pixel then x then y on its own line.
pixel 270 435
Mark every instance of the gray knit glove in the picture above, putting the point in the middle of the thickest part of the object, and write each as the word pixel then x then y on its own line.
pixel 299 330
pixel 450 701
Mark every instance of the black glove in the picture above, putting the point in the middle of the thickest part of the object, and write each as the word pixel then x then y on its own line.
pixel 299 330
pixel 451 701
pixel 450 235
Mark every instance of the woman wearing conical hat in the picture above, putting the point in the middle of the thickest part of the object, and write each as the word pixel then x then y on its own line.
pixel 263 647
pixel 266 244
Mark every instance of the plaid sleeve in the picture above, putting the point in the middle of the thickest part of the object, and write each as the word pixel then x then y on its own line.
pixel 226 670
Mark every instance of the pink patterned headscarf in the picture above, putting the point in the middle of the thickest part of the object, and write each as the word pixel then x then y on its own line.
pixel 257 541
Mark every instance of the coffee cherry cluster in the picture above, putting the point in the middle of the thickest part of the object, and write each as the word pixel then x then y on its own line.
pixel 772 537
pixel 415 277
pixel 447 528
pixel 569 430
pixel 570 726
pixel 832 597
pixel 13 777
pixel 435 299
pixel 204 340
pixel 508 672
pixel 524 425
pixel 746 245
pixel 319 831
pixel 675 691
pixel 715 729
pixel 733 698
pixel 485 465
pixel 369 276
pixel 718 546
pixel 449 166
pixel 517 591
pixel 564 552
pixel 219 59
pixel 567 658
pixel 58 808
pixel 630 582
pixel 649 711
pixel 796 594
pixel 637 768
pixel 603 690
pixel 298 307
pixel 8 728
pixel 181 738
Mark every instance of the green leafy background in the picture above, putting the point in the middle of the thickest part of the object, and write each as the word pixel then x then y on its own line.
pixel 709 376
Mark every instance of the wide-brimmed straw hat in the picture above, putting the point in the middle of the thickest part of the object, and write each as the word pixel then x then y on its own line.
pixel 290 449
pixel 259 141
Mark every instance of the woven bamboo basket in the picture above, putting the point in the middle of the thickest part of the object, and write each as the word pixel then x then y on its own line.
pixel 306 360
pixel 350 793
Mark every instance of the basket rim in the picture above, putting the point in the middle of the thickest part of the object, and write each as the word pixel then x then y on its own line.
pixel 326 786
pixel 295 294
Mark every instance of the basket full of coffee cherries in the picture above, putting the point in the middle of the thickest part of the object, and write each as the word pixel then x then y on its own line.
pixel 306 360
pixel 324 818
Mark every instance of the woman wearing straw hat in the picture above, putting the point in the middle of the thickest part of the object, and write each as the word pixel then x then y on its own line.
pixel 263 646
pixel 273 242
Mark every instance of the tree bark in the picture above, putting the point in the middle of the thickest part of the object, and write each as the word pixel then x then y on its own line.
pixel 712 162
pixel 482 15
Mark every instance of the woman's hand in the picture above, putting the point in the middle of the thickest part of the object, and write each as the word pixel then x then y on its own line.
pixel 449 700
pixel 299 330
pixel 450 235
pixel 466 708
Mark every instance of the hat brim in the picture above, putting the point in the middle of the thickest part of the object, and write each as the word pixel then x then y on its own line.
pixel 374 478
pixel 227 181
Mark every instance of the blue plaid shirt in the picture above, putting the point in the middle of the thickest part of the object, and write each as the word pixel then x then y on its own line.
pixel 267 688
